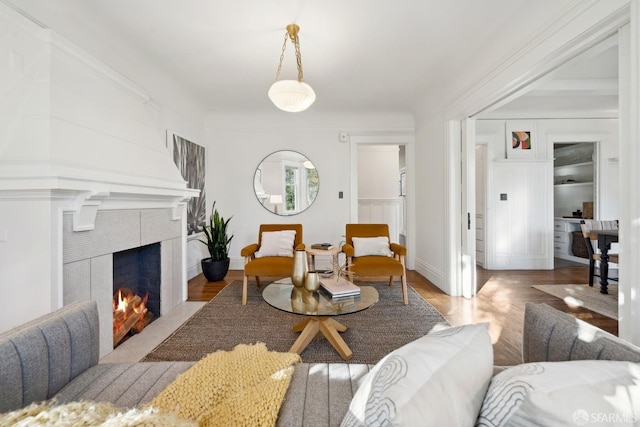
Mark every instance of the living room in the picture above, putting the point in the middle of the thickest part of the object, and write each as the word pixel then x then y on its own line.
pixel 88 109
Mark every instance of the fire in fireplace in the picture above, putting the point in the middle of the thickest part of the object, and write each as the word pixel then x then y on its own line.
pixel 136 285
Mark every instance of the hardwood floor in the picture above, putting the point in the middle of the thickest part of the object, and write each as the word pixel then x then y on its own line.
pixel 500 301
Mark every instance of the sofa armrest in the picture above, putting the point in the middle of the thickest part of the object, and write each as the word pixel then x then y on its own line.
pixel 42 356
pixel 551 335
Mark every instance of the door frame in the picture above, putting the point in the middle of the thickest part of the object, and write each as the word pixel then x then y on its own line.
pixel 387 138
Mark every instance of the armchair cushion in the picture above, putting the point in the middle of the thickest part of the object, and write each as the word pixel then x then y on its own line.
pixel 276 243
pixel 371 246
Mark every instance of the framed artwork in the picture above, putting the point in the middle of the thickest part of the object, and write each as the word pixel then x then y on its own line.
pixel 189 157
pixel 520 140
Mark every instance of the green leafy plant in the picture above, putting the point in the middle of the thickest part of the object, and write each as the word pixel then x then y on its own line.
pixel 218 242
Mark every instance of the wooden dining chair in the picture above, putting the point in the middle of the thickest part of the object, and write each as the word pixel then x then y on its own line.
pixel 589 232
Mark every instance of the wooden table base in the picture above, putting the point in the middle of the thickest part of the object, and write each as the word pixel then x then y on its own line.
pixel 310 327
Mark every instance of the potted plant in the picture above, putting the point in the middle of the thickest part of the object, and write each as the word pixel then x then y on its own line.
pixel 218 242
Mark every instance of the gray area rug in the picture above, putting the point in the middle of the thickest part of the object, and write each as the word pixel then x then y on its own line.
pixel 586 296
pixel 223 323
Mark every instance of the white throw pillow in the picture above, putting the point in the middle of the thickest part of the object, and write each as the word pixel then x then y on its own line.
pixel 365 246
pixel 577 392
pixel 439 380
pixel 277 243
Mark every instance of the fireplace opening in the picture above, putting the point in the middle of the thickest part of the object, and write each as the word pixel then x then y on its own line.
pixel 136 290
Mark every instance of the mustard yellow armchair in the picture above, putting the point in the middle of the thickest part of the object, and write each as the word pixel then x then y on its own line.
pixel 260 260
pixel 371 258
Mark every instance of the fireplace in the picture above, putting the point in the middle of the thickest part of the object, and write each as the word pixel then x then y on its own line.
pixel 125 243
pixel 136 290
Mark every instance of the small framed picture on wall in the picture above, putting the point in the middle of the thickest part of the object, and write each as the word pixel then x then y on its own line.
pixel 521 140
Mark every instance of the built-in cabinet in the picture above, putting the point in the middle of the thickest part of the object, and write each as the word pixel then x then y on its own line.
pixel 574 178
pixel 565 231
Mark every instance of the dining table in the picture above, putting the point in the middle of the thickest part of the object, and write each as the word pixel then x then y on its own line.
pixel 605 239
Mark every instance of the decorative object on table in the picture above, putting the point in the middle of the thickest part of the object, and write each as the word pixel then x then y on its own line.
pixel 218 242
pixel 190 157
pixel 300 268
pixel 312 281
pixel 291 95
pixel 339 287
pixel 520 139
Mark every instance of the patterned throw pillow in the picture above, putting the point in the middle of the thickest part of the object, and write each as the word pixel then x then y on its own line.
pixel 437 380
pixel 367 246
pixel 572 393
pixel 277 243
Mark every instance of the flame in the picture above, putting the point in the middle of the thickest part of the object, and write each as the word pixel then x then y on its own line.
pixel 122 302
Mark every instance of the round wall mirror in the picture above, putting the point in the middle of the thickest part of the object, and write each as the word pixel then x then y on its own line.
pixel 286 182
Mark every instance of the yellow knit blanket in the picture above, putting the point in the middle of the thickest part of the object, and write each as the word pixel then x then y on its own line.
pixel 242 387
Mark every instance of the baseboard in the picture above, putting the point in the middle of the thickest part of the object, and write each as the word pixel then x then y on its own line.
pixel 431 273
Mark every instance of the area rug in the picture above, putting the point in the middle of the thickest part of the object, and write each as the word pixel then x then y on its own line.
pixel 223 323
pixel 587 297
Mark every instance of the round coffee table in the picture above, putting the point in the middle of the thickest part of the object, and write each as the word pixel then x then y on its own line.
pixel 321 310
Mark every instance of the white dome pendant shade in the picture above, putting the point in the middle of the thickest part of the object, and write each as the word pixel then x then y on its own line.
pixel 291 96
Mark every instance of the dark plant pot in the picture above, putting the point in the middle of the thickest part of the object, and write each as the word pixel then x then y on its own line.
pixel 214 270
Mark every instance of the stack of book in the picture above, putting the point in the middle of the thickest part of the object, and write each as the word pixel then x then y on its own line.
pixel 341 288
pixel 324 246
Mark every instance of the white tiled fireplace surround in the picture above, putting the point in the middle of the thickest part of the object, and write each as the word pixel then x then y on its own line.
pixel 88 259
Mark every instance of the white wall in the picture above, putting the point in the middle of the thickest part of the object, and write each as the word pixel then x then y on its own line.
pixel 237 144
pixel 431 200
pixel 71 129
pixel 378 171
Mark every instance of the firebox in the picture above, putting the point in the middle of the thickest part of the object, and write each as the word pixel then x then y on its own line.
pixel 136 290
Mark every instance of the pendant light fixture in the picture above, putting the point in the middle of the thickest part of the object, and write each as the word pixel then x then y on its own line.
pixel 291 95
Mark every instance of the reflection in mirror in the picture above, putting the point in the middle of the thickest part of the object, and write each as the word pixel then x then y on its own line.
pixel 286 182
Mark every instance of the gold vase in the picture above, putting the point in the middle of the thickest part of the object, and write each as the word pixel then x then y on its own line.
pixel 312 281
pixel 300 268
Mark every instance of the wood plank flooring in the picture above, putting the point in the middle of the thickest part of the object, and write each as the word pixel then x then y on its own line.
pixel 500 301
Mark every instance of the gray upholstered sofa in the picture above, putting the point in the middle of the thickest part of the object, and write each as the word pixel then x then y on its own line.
pixel 57 356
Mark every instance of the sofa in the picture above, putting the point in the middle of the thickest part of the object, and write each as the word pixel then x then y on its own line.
pixel 56 356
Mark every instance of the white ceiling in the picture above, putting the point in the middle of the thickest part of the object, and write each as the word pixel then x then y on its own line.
pixel 587 86
pixel 359 55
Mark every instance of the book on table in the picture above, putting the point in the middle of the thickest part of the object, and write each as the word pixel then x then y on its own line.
pixel 324 246
pixel 339 288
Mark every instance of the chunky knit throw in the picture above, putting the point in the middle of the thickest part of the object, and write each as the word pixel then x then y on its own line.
pixel 241 387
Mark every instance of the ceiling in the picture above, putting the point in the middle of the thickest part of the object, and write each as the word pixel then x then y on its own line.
pixel 586 86
pixel 358 55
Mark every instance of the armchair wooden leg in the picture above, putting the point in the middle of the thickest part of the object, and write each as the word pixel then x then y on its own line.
pixel 244 290
pixel 258 281
pixel 592 265
pixel 390 280
pixel 405 297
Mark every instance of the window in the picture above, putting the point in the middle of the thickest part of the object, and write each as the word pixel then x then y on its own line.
pixel 291 180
